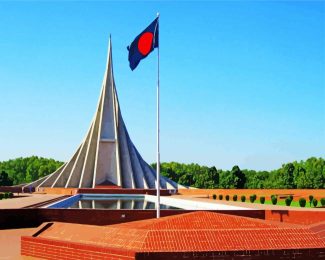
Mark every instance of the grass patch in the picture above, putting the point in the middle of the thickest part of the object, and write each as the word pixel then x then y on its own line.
pixel 282 203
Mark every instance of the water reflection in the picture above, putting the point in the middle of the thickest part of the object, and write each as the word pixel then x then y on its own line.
pixel 116 204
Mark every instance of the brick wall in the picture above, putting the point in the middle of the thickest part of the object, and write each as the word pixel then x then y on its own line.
pixel 63 191
pixel 225 255
pixel 16 189
pixel 53 250
pixel 297 193
pixel 19 218
pixel 102 190
pixel 124 191
pixel 295 216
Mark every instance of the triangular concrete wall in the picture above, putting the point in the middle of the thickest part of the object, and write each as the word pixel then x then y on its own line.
pixel 107 153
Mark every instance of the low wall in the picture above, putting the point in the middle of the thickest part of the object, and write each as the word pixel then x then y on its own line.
pixel 124 191
pixel 63 191
pixel 23 218
pixel 73 191
pixel 297 193
pixel 52 249
pixel 15 189
pixel 314 253
pixel 295 216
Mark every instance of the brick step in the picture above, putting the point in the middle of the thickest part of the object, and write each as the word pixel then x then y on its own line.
pixel 44 203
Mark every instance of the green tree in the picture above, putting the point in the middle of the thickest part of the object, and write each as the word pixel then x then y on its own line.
pixel 23 170
pixel 186 179
pixel 303 174
pixel 207 178
pixel 4 179
pixel 300 177
pixel 239 177
pixel 255 179
pixel 287 176
pixel 233 179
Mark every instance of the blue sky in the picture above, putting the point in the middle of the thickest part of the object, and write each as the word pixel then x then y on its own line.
pixel 242 83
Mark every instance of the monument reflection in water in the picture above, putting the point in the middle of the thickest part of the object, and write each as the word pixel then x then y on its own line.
pixel 115 203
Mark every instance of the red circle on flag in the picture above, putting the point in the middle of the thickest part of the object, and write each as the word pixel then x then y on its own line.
pixel 145 43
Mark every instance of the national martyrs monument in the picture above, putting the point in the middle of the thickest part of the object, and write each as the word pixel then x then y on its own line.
pixel 107 154
pixel 104 202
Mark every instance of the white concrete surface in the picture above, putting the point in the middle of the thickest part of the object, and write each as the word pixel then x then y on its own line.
pixel 191 204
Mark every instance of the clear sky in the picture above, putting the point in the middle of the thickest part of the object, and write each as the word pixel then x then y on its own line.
pixel 241 82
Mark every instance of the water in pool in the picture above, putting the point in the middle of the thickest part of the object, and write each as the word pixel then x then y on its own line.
pixel 91 201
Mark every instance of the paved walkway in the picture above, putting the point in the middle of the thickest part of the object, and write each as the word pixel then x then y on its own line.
pixel 204 198
pixel 10 242
pixel 10 239
pixel 25 199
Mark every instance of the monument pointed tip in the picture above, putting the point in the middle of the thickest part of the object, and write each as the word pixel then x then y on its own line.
pixel 110 39
pixel 109 56
pixel 110 42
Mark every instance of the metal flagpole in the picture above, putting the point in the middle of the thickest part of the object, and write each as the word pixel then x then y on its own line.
pixel 158 133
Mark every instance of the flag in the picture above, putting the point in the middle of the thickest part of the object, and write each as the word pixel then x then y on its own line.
pixel 143 44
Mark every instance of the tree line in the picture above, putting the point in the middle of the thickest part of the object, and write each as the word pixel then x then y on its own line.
pixel 25 170
pixel 309 174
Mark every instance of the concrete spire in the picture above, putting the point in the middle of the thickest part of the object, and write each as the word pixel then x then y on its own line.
pixel 107 154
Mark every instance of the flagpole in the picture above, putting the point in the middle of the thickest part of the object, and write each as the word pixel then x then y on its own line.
pixel 158 133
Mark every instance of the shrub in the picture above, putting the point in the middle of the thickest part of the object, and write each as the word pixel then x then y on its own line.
pixel 6 195
pixel 302 202
pixel 1 196
pixel 262 200
pixel 220 197
pixel 291 197
pixel 322 201
pixel 214 196
pixel 227 197
pixel 311 197
pixel 243 198
pixel 252 198
pixel 274 200
pixel 10 194
pixel 288 201
pixel 315 202
pixel 234 198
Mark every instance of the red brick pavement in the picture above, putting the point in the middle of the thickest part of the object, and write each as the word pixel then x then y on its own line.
pixel 192 232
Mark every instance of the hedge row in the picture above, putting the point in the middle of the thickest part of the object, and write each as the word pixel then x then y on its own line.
pixel 6 195
pixel 274 199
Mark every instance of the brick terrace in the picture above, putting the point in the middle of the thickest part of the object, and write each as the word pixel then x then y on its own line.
pixel 197 234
